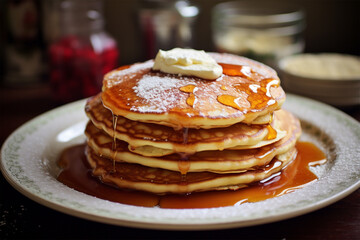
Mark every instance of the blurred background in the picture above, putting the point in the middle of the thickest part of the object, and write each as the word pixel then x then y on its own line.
pixel 53 52
pixel 62 48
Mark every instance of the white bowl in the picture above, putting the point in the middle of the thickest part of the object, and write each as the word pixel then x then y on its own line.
pixel 328 77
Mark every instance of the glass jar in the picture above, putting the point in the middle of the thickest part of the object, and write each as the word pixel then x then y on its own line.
pixel 166 24
pixel 83 52
pixel 263 31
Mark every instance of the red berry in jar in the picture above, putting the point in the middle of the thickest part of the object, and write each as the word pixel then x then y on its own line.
pixel 83 54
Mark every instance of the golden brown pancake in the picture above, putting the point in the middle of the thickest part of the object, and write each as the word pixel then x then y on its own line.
pixel 167 140
pixel 168 133
pixel 246 91
pixel 213 161
pixel 161 181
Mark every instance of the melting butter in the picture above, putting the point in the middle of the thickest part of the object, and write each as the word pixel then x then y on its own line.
pixel 188 62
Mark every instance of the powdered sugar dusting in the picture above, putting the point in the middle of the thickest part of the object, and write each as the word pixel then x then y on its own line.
pixel 116 76
pixel 159 93
pixel 150 87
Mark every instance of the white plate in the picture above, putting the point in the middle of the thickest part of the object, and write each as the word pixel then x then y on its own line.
pixel 28 162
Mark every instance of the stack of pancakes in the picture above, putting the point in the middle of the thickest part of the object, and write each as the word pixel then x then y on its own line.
pixel 167 133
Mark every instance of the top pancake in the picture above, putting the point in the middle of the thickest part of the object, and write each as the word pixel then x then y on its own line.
pixel 246 91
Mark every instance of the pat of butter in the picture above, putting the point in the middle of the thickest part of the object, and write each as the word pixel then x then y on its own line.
pixel 187 62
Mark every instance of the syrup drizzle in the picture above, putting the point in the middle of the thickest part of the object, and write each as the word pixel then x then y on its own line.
pixel 259 95
pixel 115 120
pixel 191 100
pixel 272 133
pixel 236 70
pixel 183 163
pixel 229 100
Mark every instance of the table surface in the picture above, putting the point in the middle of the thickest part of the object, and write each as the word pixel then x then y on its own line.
pixel 21 217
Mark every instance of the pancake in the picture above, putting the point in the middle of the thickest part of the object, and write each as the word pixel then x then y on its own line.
pixel 171 133
pixel 161 181
pixel 225 161
pixel 166 140
pixel 247 90
pixel 158 152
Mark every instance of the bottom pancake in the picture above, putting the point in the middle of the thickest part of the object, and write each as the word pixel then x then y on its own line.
pixel 161 181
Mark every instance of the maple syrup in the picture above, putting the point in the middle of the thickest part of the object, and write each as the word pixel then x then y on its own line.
pixel 236 70
pixel 183 163
pixel 272 133
pixel 115 119
pixel 77 174
pixel 258 92
pixel 190 89
pixel 229 100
